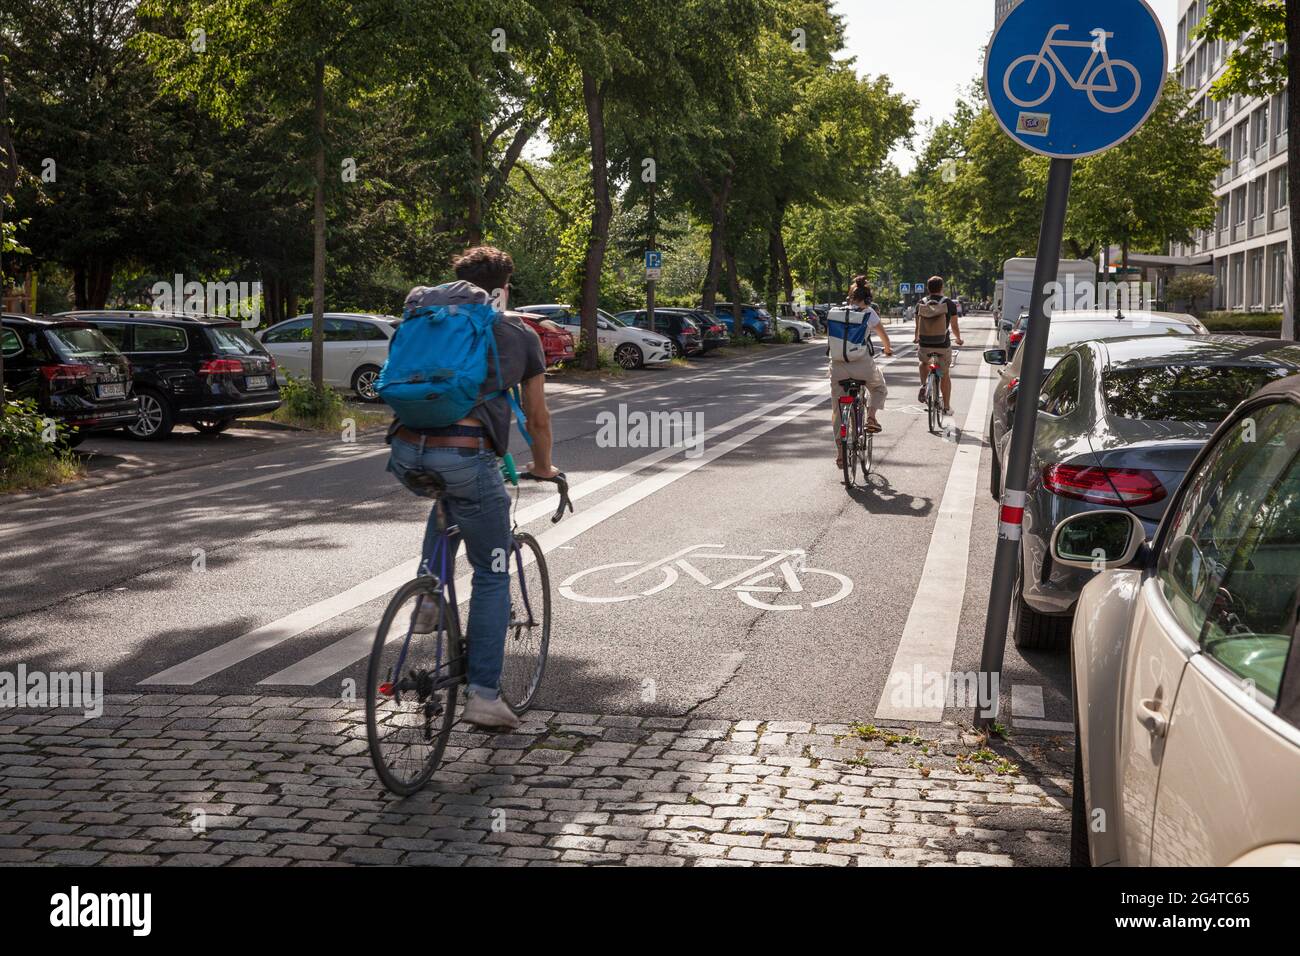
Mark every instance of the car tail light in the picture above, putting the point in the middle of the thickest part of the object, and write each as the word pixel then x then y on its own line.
pixel 1104 486
pixel 222 367
pixel 74 372
pixel 273 365
pixel 1015 337
pixel 1013 385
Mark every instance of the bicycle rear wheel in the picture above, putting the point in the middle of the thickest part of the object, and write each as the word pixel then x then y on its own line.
pixel 845 446
pixel 412 683
pixel 528 635
pixel 934 402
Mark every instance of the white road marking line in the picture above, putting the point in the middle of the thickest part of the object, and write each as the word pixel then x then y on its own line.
pixel 930 635
pixel 1027 701
pixel 25 526
pixel 219 658
pixel 206 492
pixel 344 653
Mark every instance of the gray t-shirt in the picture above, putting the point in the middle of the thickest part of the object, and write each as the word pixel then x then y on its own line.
pixel 521 359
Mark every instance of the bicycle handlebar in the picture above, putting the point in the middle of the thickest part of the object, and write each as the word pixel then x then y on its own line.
pixel 562 484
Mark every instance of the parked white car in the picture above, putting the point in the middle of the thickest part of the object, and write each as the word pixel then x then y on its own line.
pixel 1186 659
pixel 632 347
pixel 802 331
pixel 356 347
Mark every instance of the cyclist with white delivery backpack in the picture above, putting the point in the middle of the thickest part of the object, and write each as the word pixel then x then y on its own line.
pixel 853 357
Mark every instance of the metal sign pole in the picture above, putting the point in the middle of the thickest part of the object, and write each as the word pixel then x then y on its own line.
pixel 1007 563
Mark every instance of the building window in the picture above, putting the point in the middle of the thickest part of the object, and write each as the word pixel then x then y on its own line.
pixel 1280 193
pixel 1239 206
pixel 1258 198
pixel 1237 292
pixel 1260 121
pixel 1277 275
pixel 1257 278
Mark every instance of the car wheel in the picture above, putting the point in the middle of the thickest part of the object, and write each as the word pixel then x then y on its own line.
pixel 628 356
pixel 677 350
pixel 214 426
pixel 364 381
pixel 156 420
pixel 1034 631
pixel 74 437
pixel 1080 855
pixel 995 481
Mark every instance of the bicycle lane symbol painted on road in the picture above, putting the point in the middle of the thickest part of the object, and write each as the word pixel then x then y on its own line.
pixel 1070 78
pixel 773 576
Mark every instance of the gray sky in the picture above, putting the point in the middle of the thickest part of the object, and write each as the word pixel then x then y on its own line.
pixel 886 36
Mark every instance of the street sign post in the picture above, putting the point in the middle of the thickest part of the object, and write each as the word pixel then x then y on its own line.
pixel 1066 79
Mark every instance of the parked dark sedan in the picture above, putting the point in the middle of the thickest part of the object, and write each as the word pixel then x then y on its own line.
pixel 71 371
pixel 199 370
pixel 1119 423
pixel 1069 328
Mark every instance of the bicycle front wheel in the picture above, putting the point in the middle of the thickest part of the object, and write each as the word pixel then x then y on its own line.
pixel 528 635
pixel 412 684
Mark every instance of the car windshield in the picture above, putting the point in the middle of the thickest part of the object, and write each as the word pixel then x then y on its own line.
pixel 1072 333
pixel 1183 393
pixel 231 340
pixel 74 343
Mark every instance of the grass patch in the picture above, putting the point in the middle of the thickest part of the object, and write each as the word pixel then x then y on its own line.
pixel 1243 321
pixel 886 737
pixel 324 411
pixel 979 760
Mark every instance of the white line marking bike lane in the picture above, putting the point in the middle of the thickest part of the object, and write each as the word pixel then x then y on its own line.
pixel 929 639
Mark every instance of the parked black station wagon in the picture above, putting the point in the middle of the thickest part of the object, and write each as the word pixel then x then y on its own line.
pixel 70 370
pixel 200 370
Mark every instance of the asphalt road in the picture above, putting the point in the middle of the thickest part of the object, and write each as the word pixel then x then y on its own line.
pixel 258 564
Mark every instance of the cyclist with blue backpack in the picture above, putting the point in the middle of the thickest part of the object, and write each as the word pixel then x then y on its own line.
pixel 457 369
pixel 852 355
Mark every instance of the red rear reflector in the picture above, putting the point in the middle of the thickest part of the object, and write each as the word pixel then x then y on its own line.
pixel 846 399
pixel 1104 486
pixel 386 688
pixel 222 367
pixel 51 372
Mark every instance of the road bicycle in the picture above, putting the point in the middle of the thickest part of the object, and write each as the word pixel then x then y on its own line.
pixel 934 394
pixel 764 581
pixel 1087 80
pixel 856 444
pixel 418 661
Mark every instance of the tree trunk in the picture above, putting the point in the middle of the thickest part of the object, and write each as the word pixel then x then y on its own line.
pixel 1289 330
pixel 718 213
pixel 9 156
pixel 837 278
pixel 474 223
pixel 318 251
pixel 733 283
pixel 773 270
pixel 91 279
pixel 787 279
pixel 594 98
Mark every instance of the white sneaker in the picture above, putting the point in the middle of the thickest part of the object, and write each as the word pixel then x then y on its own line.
pixel 489 713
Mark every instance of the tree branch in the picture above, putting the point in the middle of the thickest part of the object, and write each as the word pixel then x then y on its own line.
pixel 542 192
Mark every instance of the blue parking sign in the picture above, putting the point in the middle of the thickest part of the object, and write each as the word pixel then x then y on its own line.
pixel 918 288
pixel 1070 78
pixel 654 260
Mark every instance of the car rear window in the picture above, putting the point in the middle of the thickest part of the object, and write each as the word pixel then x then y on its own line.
pixel 73 343
pixel 1072 333
pixel 232 340
pixel 1183 393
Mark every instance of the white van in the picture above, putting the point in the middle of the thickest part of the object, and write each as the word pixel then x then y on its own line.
pixel 1078 277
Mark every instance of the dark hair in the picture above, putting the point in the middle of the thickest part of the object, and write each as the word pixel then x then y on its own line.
pixel 860 290
pixel 935 285
pixel 486 266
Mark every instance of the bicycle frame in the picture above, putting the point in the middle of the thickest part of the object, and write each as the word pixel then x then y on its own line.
pixel 1098 50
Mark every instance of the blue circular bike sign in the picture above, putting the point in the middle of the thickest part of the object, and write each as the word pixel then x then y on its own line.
pixel 1070 78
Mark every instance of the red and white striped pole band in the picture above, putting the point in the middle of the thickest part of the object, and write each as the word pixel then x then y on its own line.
pixel 1012 516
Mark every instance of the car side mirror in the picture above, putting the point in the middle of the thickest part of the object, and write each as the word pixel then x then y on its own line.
pixel 1098 540
pixel 1005 325
pixel 996 356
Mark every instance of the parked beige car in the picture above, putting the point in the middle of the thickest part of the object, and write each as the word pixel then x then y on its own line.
pixel 1186 660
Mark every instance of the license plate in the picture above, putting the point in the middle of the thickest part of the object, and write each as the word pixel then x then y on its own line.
pixel 113 390
pixel 255 381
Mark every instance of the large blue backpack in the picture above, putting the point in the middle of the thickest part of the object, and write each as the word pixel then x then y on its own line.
pixel 438 363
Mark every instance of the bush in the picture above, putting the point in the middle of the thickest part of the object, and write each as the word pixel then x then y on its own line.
pixel 306 407
pixel 34 452
pixel 1243 321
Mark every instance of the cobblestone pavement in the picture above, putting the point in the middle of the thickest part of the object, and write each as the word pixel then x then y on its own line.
pixel 210 781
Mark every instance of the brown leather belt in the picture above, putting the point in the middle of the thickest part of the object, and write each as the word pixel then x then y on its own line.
pixel 442 441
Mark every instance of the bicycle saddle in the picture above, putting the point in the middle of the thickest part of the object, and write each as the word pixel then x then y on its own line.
pixel 428 484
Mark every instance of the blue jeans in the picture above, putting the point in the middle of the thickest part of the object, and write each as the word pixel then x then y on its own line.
pixel 478 505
